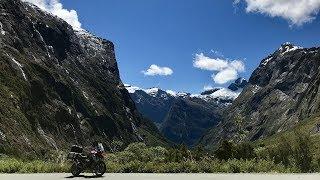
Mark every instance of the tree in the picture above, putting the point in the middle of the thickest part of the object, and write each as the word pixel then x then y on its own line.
pixel 116 145
pixel 184 151
pixel 198 153
pixel 225 151
pixel 244 151
pixel 302 151
pixel 173 155
pixel 282 152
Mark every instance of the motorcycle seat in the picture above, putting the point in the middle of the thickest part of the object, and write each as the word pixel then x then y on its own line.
pixel 83 156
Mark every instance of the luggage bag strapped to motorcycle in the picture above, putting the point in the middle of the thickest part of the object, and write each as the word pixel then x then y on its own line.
pixel 75 150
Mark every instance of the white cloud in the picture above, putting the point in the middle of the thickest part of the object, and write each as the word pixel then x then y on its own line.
pixel 237 65
pixel 225 76
pixel 56 8
pixel 225 70
pixel 203 62
pixel 207 87
pixel 155 70
pixel 171 92
pixel 297 12
pixel 225 93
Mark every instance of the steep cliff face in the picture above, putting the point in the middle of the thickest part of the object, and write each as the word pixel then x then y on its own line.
pixel 282 92
pixel 59 86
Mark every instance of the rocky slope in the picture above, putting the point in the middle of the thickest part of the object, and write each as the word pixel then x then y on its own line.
pixel 282 92
pixel 153 103
pixel 59 86
pixel 184 117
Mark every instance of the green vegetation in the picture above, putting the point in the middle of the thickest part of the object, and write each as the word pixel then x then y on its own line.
pixel 294 155
pixel 11 165
pixel 288 155
pixel 295 151
pixel 299 146
pixel 138 158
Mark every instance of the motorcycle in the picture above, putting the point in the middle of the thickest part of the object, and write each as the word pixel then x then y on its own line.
pixel 92 162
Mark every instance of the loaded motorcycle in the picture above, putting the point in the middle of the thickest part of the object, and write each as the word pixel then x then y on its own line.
pixel 92 162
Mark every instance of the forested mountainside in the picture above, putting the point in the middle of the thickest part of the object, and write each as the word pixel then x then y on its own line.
pixel 59 86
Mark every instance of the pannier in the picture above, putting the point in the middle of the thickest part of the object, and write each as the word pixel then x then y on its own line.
pixel 76 149
pixel 72 155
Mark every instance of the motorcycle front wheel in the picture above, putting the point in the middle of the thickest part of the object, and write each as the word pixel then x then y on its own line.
pixel 100 168
pixel 75 170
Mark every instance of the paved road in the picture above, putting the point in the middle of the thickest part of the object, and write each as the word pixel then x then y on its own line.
pixel 165 176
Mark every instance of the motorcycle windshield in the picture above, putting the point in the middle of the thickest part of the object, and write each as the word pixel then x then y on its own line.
pixel 100 147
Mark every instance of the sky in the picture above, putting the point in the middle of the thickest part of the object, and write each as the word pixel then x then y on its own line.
pixel 189 45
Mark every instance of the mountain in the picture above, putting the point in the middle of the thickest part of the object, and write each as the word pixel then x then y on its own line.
pixel 240 83
pixel 183 117
pixel 188 118
pixel 281 93
pixel 154 103
pixel 59 86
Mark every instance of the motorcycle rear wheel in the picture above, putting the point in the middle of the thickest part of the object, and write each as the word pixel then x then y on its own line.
pixel 100 168
pixel 75 171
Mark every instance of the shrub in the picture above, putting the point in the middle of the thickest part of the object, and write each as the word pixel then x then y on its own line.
pixel 302 151
pixel 156 154
pixel 124 157
pixel 139 152
pixel 136 148
pixel 133 167
pixel 282 152
pixel 225 151
pixel 173 155
pixel 114 167
pixel 198 153
pixel 244 151
pixel 116 145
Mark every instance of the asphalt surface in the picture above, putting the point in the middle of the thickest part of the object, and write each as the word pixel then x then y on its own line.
pixel 164 176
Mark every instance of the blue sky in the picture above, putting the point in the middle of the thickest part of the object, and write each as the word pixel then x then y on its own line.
pixel 170 33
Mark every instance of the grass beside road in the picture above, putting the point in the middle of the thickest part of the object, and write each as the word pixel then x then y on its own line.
pixel 231 166
pixel 138 158
pixel 285 155
pixel 12 165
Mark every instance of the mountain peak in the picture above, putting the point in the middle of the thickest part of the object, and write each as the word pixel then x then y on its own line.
pixel 238 84
pixel 282 50
pixel 131 89
pixel 288 47
pixel 216 93
pixel 152 91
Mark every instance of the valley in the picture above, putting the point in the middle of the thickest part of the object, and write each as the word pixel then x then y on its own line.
pixel 183 117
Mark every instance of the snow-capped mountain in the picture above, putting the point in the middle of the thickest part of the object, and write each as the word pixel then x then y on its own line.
pixel 183 117
pixel 238 85
pixel 220 95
